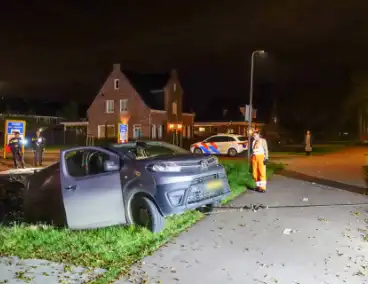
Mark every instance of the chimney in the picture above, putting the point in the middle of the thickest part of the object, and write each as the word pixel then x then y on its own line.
pixel 116 67
pixel 174 74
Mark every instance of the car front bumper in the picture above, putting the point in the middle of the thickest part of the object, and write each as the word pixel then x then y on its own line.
pixel 195 192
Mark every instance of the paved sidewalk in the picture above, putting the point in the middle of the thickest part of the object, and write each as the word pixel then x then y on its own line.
pixel 284 245
pixel 344 166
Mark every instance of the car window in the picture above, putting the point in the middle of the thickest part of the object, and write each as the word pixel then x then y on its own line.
pixel 75 163
pixel 242 138
pixel 230 139
pixel 148 149
pixel 85 162
pixel 95 164
pixel 158 151
pixel 217 139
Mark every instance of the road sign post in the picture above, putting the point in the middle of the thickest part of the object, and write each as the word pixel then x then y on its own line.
pixel 123 133
pixel 12 126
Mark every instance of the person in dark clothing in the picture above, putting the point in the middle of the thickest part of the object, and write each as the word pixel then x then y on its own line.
pixel 16 145
pixel 38 145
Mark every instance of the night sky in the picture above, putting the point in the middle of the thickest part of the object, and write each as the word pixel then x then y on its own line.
pixel 313 48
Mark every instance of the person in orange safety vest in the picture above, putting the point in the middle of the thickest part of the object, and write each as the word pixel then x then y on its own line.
pixel 259 161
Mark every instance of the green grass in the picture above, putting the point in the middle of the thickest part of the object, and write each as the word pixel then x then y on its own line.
pixel 115 248
pixel 240 177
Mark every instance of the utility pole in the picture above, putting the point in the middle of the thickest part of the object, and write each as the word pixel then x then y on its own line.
pixel 250 114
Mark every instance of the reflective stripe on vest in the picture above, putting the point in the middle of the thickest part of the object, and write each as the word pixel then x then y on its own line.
pixel 258 148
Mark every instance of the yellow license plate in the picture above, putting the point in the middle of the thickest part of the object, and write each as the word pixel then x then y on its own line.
pixel 214 184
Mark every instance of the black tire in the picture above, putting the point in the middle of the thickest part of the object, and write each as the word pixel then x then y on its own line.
pixel 197 151
pixel 209 207
pixel 144 213
pixel 232 152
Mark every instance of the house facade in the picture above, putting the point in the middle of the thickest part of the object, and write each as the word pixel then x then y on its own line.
pixel 205 129
pixel 152 108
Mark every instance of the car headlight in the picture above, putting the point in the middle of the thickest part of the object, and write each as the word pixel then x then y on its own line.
pixel 176 197
pixel 165 167
pixel 24 141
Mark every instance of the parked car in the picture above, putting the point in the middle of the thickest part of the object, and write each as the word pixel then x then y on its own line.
pixel 134 183
pixel 228 144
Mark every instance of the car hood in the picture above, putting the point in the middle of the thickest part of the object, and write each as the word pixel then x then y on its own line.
pixel 190 158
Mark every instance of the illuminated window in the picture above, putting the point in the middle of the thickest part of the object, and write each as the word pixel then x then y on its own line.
pixel 202 129
pixel 108 132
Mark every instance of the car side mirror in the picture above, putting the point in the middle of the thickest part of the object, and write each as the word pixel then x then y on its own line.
pixel 110 166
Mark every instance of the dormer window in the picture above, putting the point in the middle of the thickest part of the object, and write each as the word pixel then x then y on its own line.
pixel 116 84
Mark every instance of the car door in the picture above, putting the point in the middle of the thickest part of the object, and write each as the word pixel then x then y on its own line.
pixel 91 188
pixel 215 144
pixel 230 143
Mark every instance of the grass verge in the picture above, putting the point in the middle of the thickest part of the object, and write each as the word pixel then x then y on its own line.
pixel 115 248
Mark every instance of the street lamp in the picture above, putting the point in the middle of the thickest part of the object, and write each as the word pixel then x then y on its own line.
pixel 254 54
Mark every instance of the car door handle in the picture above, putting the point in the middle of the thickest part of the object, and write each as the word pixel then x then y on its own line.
pixel 71 188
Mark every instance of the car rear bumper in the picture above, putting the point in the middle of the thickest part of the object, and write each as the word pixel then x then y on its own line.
pixel 175 198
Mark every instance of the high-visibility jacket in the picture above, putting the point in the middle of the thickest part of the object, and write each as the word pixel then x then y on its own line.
pixel 259 147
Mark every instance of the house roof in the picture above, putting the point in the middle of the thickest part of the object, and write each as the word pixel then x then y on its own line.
pixel 149 87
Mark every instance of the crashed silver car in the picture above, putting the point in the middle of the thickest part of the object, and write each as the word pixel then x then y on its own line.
pixel 134 183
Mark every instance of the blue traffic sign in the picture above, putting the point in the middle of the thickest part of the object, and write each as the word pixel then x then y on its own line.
pixel 123 128
pixel 15 126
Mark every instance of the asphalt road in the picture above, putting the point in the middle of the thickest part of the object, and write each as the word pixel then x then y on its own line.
pixel 344 166
pixel 303 245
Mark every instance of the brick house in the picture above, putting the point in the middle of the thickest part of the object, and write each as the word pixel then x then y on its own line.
pixel 151 105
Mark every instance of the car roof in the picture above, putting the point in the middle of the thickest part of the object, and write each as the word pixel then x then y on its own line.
pixel 227 134
pixel 144 143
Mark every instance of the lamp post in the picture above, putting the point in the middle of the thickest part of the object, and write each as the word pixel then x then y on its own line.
pixel 254 53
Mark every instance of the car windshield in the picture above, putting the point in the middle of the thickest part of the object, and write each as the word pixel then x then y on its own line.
pixel 149 149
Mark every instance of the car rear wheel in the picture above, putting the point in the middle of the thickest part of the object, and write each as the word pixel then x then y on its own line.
pixel 198 151
pixel 144 213
pixel 232 152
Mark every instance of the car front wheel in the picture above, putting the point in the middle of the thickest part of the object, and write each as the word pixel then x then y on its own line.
pixel 198 151
pixel 144 213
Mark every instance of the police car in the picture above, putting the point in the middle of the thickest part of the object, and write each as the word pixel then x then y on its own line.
pixel 228 144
